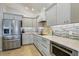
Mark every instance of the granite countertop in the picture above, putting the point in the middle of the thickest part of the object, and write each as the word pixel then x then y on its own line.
pixel 70 43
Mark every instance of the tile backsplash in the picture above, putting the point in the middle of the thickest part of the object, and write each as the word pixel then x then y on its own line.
pixel 68 30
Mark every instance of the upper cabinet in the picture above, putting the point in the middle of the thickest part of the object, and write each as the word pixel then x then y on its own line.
pixel 51 15
pixel 62 13
pixel 75 13
pixel 27 22
pixel 8 16
pixel 12 16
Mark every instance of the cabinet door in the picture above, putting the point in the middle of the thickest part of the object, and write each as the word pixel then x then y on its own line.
pixel 63 13
pixel 8 16
pixel 12 16
pixel 26 22
pixel 51 15
pixel 17 17
pixel 38 42
pixel 42 44
pixel 5 16
pixel 45 46
pixel 27 39
pixel 74 12
pixel 35 40
pixel 67 13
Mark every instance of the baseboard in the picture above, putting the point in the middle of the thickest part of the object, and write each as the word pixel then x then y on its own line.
pixel 27 44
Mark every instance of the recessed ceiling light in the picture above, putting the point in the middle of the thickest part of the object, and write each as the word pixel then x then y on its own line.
pixel 44 8
pixel 26 8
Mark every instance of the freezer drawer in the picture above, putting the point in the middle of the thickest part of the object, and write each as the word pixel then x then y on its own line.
pixel 11 44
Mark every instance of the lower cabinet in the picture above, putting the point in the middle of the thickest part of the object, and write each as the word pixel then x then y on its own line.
pixel 42 44
pixel 27 38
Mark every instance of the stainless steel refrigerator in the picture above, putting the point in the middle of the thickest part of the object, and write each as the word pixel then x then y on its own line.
pixel 11 34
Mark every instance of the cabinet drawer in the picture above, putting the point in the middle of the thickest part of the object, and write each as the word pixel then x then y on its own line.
pixel 45 52
pixel 45 47
pixel 45 41
pixel 42 44
pixel 27 39
pixel 38 45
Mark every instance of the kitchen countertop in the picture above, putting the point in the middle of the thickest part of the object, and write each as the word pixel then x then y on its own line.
pixel 28 33
pixel 70 43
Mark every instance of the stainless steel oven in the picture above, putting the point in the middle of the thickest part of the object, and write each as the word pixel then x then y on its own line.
pixel 59 50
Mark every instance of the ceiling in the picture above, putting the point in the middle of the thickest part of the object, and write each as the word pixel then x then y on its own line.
pixel 35 7
pixel 26 8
